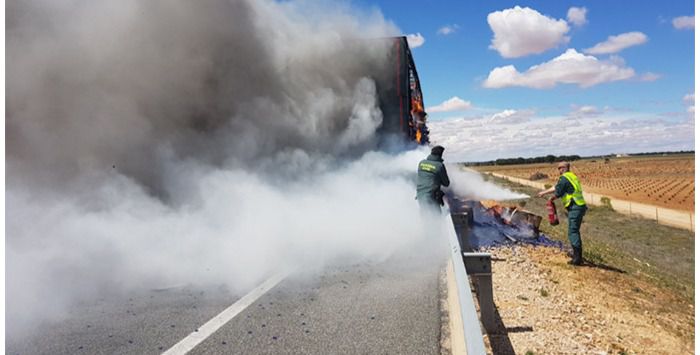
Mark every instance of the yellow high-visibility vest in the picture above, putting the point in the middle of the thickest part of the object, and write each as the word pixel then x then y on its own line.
pixel 577 196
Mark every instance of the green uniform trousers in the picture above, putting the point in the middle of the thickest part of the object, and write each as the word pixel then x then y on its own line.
pixel 576 214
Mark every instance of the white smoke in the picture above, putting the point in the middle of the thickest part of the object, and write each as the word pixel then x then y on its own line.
pixel 366 116
pixel 236 228
pixel 470 184
pixel 218 141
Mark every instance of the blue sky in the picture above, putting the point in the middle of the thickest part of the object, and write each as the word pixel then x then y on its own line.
pixel 617 75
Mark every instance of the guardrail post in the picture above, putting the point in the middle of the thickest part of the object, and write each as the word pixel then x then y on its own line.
pixel 462 222
pixel 478 266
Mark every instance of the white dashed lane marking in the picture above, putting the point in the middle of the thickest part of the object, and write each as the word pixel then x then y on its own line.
pixel 208 328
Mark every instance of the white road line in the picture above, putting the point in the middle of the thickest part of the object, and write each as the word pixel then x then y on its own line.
pixel 208 328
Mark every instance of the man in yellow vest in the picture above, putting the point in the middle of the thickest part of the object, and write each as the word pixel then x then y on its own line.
pixel 569 189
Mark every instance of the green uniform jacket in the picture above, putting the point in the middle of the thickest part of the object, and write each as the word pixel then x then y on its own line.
pixel 431 175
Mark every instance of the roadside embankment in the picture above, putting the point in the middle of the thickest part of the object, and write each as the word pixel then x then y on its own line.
pixel 635 294
pixel 546 306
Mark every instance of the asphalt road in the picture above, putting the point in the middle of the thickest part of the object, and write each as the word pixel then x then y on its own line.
pixel 387 308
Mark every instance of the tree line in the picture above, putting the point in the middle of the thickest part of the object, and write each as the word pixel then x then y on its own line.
pixel 514 161
pixel 667 153
pixel 556 158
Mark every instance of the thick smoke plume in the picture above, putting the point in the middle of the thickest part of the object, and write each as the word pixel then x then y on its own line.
pixel 154 143
pixel 159 143
pixel 470 184
pixel 132 86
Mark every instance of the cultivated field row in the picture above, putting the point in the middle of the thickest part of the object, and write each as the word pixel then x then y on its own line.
pixel 666 216
pixel 667 182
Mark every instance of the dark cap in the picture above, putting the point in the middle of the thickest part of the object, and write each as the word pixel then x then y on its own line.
pixel 437 150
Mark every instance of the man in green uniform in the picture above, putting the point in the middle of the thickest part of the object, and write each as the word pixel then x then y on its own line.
pixel 431 176
pixel 569 189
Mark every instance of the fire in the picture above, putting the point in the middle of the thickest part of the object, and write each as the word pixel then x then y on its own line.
pixel 418 117
pixel 416 105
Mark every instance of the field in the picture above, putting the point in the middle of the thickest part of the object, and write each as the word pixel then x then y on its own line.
pixel 664 181
pixel 635 266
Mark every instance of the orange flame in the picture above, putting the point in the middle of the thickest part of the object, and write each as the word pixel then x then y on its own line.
pixel 416 106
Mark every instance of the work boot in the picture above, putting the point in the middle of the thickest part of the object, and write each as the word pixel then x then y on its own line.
pixel 577 258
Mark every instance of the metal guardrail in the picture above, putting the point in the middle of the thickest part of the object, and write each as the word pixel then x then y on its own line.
pixel 472 329
pixel 478 266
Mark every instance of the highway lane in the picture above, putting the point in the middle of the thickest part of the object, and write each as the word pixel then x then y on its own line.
pixel 370 308
pixel 142 322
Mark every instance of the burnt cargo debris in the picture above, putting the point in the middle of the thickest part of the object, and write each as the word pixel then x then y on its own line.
pixel 489 224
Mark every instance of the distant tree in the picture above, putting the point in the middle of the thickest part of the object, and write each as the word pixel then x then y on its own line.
pixel 520 160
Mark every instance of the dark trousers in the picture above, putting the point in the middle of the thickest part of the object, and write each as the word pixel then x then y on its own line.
pixel 576 214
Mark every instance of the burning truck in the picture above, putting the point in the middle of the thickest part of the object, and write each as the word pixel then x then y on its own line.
pixel 400 96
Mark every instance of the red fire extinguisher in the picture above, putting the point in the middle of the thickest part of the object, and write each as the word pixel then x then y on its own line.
pixel 552 212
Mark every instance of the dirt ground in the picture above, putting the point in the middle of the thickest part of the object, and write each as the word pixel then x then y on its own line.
pixel 545 306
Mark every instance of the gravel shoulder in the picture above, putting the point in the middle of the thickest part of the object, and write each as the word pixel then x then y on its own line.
pixel 549 307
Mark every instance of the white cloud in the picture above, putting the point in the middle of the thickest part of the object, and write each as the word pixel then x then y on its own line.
pixel 511 116
pixel 448 29
pixel 571 67
pixel 684 23
pixel 585 111
pixel 415 40
pixel 522 31
pixel 649 77
pixel 689 100
pixel 617 43
pixel 483 139
pixel 577 15
pixel 453 104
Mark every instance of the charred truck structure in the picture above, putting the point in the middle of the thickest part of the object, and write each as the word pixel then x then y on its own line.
pixel 400 96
